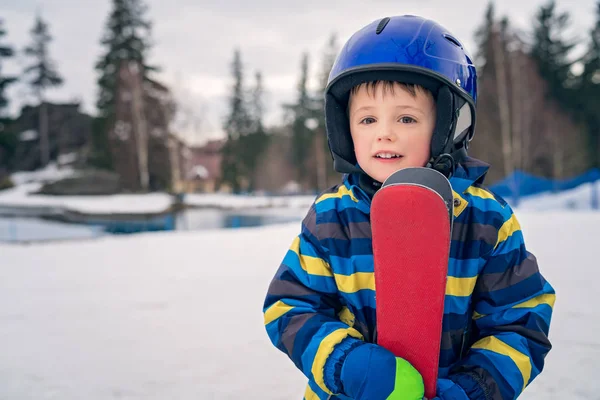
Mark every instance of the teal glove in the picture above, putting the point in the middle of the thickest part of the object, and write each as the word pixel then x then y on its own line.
pixel 370 372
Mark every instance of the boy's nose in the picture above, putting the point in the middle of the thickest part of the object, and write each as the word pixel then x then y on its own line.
pixel 386 135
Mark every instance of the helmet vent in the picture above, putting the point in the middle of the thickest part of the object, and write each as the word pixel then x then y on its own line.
pixel 382 25
pixel 453 40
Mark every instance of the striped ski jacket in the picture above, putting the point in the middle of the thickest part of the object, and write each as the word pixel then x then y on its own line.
pixel 497 306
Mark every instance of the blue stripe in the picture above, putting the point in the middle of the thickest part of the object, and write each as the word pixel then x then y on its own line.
pixel 306 249
pixel 464 268
pixel 356 263
pixel 514 241
pixel 459 185
pixel 511 315
pixel 456 304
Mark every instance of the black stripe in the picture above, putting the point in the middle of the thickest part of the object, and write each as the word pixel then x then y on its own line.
pixel 310 221
pixel 474 232
pixel 535 336
pixel 286 288
pixel 512 276
pixel 452 339
pixel 288 336
pixel 354 230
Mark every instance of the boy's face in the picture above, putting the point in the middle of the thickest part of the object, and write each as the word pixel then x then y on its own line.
pixel 390 121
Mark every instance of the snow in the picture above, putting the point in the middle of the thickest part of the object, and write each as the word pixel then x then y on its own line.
pixel 579 198
pixel 50 173
pixel 20 196
pixel 27 183
pixel 178 315
pixel 228 201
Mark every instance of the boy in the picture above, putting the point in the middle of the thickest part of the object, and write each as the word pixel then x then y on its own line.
pixel 402 93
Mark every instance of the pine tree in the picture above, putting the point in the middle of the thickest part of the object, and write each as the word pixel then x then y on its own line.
pixel 589 89
pixel 41 75
pixel 483 36
pixel 238 124
pixel 6 51
pixel 126 38
pixel 302 137
pixel 323 155
pixel 552 51
pixel 255 142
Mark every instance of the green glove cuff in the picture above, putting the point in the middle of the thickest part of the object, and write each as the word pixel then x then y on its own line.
pixel 409 382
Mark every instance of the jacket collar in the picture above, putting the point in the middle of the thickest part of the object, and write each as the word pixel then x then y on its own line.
pixel 468 172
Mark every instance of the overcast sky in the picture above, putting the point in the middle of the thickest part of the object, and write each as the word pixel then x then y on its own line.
pixel 195 39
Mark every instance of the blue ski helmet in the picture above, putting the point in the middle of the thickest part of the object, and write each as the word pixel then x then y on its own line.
pixel 413 50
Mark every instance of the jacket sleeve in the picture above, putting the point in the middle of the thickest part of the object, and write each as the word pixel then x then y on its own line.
pixel 301 307
pixel 513 305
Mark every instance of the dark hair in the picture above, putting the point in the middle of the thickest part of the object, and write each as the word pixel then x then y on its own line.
pixel 371 86
pixel 389 85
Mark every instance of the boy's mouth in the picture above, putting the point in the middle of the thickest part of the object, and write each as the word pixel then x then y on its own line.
pixel 387 156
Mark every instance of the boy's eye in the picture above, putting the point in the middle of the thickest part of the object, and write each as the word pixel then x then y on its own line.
pixel 367 120
pixel 407 120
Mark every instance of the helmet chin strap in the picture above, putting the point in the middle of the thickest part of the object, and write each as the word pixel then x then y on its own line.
pixel 453 121
pixel 444 164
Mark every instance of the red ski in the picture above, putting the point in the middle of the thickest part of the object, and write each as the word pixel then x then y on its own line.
pixel 411 221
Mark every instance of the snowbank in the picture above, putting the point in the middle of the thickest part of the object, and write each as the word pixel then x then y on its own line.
pixel 178 315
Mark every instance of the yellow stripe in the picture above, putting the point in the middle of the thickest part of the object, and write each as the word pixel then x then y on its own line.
pixel 342 191
pixel 521 360
pixel 309 394
pixel 476 315
pixel 325 348
pixel 276 311
pixel 461 287
pixel 355 282
pixel 508 229
pixel 478 192
pixel 346 316
pixel 548 299
pixel 458 209
pixel 312 265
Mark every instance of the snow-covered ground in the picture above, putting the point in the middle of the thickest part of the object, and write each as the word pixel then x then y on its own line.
pixel 228 201
pixel 20 196
pixel 178 315
pixel 579 198
pixel 27 183
pixel 50 173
